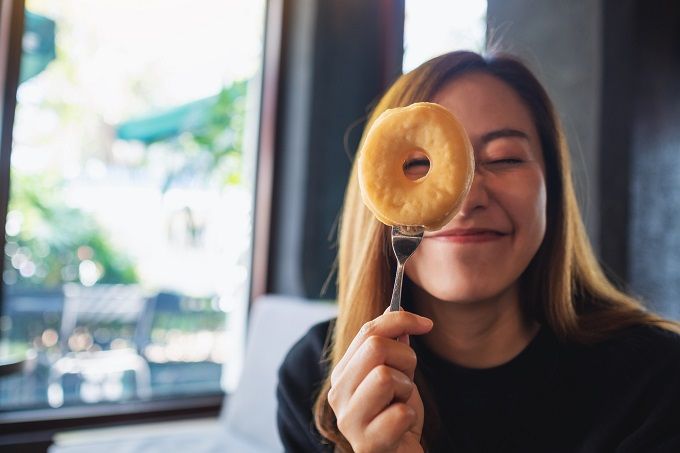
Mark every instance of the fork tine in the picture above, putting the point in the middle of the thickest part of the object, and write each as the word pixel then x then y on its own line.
pixel 405 241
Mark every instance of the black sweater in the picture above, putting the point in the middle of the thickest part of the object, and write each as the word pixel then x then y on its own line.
pixel 620 395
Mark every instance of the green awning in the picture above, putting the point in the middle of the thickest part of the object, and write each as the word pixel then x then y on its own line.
pixel 37 46
pixel 168 123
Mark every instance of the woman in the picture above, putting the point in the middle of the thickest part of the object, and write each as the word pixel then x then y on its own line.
pixel 512 338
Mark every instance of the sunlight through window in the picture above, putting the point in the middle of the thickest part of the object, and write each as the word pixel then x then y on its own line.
pixel 434 27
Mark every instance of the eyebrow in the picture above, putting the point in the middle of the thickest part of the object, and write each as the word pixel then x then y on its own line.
pixel 503 133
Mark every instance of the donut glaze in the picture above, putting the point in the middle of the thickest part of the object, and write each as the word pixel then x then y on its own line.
pixel 432 200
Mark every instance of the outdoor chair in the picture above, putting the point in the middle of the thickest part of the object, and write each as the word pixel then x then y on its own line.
pixel 98 366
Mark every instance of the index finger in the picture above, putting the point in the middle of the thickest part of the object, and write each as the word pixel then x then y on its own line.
pixel 391 325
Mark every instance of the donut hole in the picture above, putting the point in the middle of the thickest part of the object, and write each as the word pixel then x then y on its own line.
pixel 417 165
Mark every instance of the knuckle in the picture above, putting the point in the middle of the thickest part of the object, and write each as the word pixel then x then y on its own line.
pixel 332 397
pixel 342 423
pixel 382 376
pixel 404 412
pixel 412 358
pixel 335 376
pixel 403 416
pixel 404 317
pixel 368 328
pixel 375 348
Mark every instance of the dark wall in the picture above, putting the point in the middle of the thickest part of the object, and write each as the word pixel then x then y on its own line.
pixel 339 57
pixel 654 213
pixel 640 149
pixel 616 124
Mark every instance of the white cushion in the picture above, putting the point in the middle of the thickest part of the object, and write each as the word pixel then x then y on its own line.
pixel 277 322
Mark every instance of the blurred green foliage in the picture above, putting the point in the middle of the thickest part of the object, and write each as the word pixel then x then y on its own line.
pixel 212 149
pixel 47 240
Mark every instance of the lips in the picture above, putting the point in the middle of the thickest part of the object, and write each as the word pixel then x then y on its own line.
pixel 468 235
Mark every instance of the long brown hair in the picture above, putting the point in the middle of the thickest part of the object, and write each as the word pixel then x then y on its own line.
pixel 563 287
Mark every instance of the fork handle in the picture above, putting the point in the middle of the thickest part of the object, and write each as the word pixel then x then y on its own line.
pixel 395 303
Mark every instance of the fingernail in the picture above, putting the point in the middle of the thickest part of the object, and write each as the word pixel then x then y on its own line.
pixel 425 322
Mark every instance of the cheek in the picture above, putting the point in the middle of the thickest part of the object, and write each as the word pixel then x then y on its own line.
pixel 428 258
pixel 526 205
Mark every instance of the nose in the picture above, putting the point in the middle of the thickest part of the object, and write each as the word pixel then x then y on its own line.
pixel 477 198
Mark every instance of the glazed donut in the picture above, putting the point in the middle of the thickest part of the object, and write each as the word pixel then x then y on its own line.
pixel 432 200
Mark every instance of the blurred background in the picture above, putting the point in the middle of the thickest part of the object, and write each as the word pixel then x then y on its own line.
pixel 166 162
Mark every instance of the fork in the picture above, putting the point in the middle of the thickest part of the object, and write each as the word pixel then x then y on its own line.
pixel 405 241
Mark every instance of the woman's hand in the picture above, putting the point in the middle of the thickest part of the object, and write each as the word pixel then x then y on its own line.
pixel 377 405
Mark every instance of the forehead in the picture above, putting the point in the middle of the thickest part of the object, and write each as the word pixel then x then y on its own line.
pixel 484 103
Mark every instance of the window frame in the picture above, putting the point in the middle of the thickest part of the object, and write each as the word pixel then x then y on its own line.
pixel 11 34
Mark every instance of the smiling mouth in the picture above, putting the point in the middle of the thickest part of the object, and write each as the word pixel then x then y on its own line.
pixel 472 235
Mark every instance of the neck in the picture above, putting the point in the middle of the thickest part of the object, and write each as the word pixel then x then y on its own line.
pixel 479 334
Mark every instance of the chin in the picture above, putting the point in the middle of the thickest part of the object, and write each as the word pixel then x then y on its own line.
pixel 462 293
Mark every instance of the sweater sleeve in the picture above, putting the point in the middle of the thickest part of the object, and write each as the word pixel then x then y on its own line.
pixel 300 376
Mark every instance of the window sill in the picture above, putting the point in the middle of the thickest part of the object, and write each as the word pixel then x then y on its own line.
pixel 33 430
pixel 86 438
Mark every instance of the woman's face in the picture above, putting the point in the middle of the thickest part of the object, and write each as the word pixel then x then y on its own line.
pixel 483 250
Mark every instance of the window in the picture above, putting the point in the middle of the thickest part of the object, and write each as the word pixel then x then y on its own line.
pixel 129 225
pixel 434 27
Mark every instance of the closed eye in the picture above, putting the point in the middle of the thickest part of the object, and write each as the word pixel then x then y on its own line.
pixel 507 161
pixel 501 164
